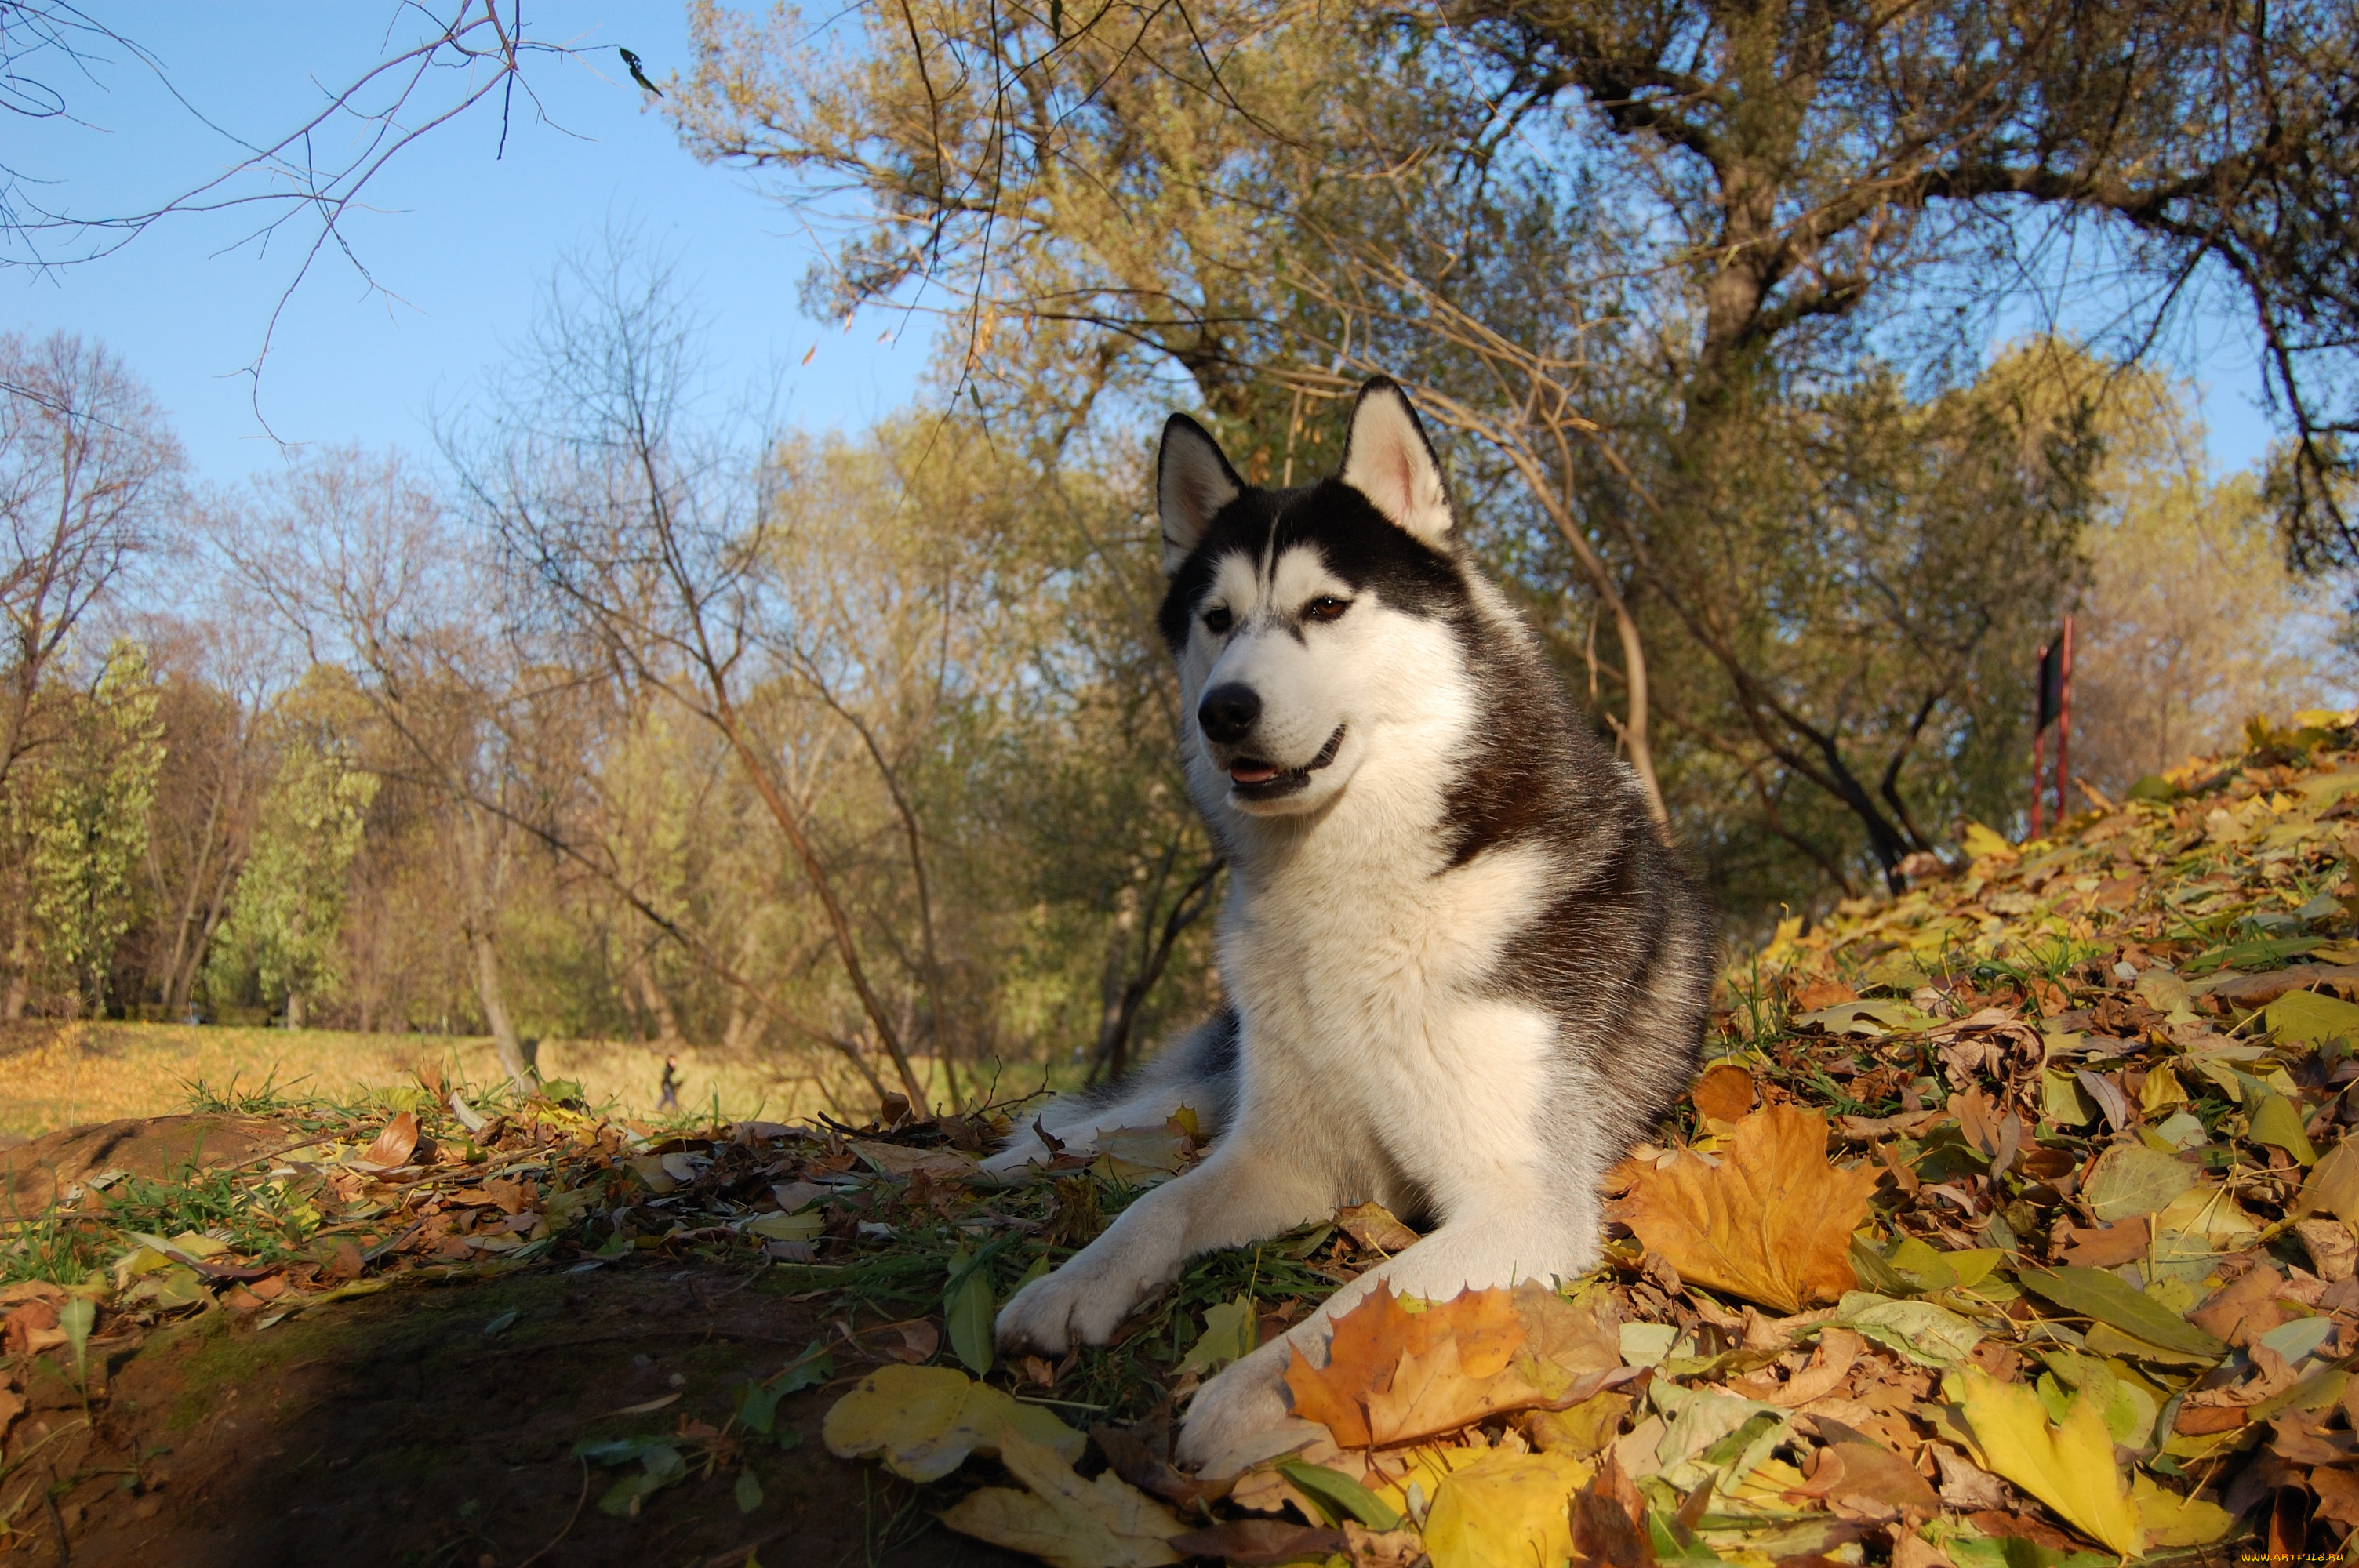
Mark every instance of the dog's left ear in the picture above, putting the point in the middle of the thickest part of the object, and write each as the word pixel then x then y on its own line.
pixel 1192 481
pixel 1387 459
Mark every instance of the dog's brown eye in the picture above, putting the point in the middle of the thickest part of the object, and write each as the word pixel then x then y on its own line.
pixel 1324 609
pixel 1217 621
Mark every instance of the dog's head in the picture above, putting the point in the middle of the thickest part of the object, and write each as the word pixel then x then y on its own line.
pixel 1304 620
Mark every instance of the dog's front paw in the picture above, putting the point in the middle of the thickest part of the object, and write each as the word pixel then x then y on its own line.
pixel 1242 1402
pixel 1081 1303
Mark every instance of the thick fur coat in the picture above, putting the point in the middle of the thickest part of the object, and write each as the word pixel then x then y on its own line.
pixel 1463 972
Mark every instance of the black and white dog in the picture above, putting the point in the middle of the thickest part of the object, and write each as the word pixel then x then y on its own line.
pixel 1464 973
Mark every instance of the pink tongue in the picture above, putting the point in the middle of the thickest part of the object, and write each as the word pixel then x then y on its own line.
pixel 1252 775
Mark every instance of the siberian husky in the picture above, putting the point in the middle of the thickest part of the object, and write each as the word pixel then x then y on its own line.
pixel 1464 974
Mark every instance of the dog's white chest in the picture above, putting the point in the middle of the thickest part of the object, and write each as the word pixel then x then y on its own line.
pixel 1367 1013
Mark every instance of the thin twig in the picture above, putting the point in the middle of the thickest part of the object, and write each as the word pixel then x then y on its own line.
pixel 562 1534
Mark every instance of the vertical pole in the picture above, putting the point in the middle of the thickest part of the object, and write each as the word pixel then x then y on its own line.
pixel 2064 727
pixel 2039 776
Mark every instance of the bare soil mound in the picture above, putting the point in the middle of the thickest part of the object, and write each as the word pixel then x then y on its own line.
pixel 33 1174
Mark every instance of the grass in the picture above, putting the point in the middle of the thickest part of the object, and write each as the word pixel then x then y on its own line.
pixel 58 1076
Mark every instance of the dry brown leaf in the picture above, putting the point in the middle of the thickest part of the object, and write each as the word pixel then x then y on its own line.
pixel 1725 1093
pixel 1865 1481
pixel 1838 1348
pixel 1607 1515
pixel 1822 993
pixel 920 1340
pixel 1910 1550
pixel 2243 1311
pixel 2333 1254
pixel 1372 1225
pixel 1966 1486
pixel 2108 1246
pixel 2338 1495
pixel 1772 1222
pixel 1257 1543
pixel 396 1143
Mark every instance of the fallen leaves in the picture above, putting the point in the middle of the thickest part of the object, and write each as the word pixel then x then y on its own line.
pixel 1231 1334
pixel 1725 1091
pixel 1771 1222
pixel 1062 1520
pixel 2109 1298
pixel 1505 1507
pixel 2068 1466
pixel 1372 1226
pixel 2057 1298
pixel 393 1146
pixel 1393 1375
pixel 923 1421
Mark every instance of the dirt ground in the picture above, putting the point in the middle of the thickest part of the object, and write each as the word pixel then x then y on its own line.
pixel 422 1425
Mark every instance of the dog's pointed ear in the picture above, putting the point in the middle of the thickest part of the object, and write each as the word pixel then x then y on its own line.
pixel 1387 459
pixel 1192 481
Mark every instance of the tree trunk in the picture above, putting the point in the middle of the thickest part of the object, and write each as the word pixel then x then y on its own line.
pixel 295 1009
pixel 515 1060
pixel 659 1005
pixel 19 985
pixel 1121 1015
pixel 743 1033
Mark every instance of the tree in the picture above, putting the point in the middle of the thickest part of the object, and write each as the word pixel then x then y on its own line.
pixel 217 683
pixel 2193 622
pixel 88 473
pixel 1662 258
pixel 287 915
pixel 351 558
pixel 653 548
pixel 81 817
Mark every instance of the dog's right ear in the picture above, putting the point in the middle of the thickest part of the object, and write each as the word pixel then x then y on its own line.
pixel 1192 481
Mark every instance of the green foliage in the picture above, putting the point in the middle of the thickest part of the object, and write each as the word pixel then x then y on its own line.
pixel 288 908
pixel 82 817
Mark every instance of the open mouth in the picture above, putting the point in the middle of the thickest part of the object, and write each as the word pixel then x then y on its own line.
pixel 1253 779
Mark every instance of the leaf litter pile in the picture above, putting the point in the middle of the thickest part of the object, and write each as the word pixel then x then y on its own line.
pixel 2009 1225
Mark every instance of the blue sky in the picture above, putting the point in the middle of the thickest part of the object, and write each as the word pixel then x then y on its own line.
pixel 462 241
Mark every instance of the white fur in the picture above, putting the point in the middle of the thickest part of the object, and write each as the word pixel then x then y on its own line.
pixel 1375 1063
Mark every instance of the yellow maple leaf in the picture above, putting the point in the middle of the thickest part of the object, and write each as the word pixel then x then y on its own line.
pixel 1505 1507
pixel 1772 1222
pixel 2069 1468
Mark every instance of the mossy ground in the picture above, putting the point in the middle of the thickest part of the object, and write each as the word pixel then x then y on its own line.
pixel 394 1430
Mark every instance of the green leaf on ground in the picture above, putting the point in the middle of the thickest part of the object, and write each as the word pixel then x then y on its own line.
pixel 967 1307
pixel 2108 1298
pixel 1231 1334
pixel 2130 1180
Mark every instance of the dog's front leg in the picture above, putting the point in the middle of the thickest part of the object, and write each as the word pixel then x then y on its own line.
pixel 1484 1250
pixel 1242 1193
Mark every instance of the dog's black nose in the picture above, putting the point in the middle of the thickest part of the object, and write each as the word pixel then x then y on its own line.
pixel 1228 713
